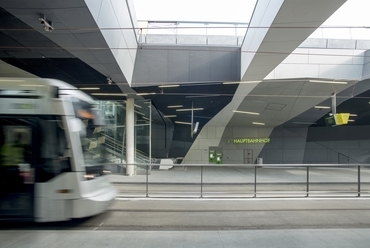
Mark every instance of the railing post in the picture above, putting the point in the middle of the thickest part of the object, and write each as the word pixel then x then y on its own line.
pixel 358 181
pixel 255 181
pixel 201 181
pixel 307 181
pixel 147 179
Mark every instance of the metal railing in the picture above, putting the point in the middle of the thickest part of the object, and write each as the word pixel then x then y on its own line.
pixel 244 180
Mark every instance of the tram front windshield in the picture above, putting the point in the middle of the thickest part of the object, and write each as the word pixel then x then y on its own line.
pixel 92 138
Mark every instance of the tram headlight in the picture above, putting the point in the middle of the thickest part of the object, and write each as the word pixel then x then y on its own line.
pixel 89 176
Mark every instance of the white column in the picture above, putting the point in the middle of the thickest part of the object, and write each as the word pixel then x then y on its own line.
pixel 130 136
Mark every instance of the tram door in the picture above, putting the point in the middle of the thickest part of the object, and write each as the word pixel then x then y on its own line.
pixel 16 169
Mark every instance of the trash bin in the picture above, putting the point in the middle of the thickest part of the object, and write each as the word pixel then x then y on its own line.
pixel 259 160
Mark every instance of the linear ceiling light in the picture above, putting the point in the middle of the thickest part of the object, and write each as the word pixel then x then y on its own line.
pixel 175 106
pixel 169 116
pixel 243 82
pixel 168 86
pixel 145 94
pixel 246 112
pixel 327 82
pixel 185 123
pixel 321 107
pixel 189 109
pixel 352 114
pixel 258 123
pixel 89 88
pixel 108 94
pixel 139 113
pixel 351 120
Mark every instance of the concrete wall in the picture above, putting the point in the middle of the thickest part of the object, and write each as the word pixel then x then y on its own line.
pixel 161 64
pixel 263 16
pixel 161 140
pixel 115 16
pixel 321 63
pixel 326 58
pixel 324 144
pixel 366 68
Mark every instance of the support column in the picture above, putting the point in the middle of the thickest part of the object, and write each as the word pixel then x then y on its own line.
pixel 130 136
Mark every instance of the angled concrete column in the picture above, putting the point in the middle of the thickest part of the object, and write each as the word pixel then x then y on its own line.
pixel 130 136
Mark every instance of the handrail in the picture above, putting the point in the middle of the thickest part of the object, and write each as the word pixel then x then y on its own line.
pixel 115 147
pixel 257 167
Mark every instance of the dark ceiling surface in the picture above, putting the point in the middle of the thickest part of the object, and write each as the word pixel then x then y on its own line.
pixel 29 50
pixel 210 98
pixel 354 100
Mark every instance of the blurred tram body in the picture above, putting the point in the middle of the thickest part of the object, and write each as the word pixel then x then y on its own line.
pixel 51 152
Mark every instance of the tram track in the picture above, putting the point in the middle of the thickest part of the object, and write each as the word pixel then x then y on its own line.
pixel 185 215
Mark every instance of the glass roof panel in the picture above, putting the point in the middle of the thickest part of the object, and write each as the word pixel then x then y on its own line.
pixel 351 21
pixel 195 17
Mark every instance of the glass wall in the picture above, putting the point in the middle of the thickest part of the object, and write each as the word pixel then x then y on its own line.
pixel 114 115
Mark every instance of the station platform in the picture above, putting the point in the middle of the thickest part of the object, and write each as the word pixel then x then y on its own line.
pixel 318 238
pixel 212 222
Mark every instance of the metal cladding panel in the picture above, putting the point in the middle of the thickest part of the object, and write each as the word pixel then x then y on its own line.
pixel 168 64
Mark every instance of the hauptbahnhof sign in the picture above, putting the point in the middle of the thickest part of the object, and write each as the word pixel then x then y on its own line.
pixel 251 141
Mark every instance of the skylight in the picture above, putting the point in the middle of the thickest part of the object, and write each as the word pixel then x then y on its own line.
pixel 351 21
pixel 195 17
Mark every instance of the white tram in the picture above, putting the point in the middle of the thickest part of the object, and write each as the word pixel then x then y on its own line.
pixel 51 152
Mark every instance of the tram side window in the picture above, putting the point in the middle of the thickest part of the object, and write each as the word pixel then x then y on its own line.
pixel 15 153
pixel 54 150
pixel 15 145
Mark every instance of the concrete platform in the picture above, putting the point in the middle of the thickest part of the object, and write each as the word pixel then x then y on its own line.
pixel 318 238
pixel 213 222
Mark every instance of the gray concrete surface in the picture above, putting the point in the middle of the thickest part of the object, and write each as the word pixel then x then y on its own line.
pixel 328 238
pixel 213 222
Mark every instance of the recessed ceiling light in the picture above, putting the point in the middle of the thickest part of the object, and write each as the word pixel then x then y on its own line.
pixel 258 123
pixel 189 109
pixel 168 86
pixel 139 112
pixel 181 122
pixel 175 106
pixel 327 82
pixel 246 112
pixel 145 94
pixel 89 88
pixel 243 82
pixel 108 94
pixel 322 107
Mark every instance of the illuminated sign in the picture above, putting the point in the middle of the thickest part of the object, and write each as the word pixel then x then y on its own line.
pixel 342 118
pixel 251 141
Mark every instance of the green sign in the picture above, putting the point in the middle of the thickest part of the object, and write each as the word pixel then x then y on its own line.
pixel 212 156
pixel 251 141
pixel 219 158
